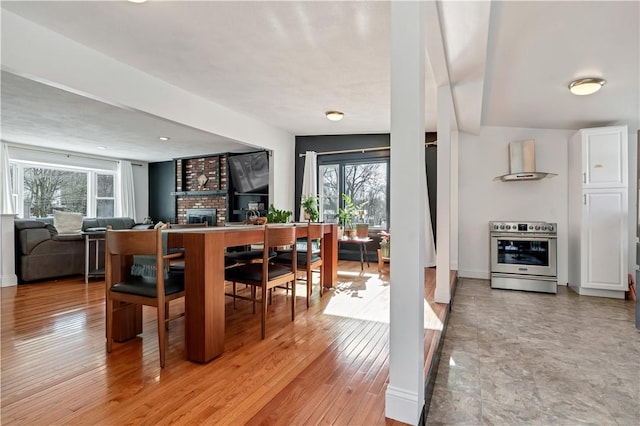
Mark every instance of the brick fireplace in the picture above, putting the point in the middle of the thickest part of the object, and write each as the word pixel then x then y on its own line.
pixel 201 183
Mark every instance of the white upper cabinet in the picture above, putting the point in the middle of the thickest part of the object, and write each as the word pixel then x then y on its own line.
pixel 604 157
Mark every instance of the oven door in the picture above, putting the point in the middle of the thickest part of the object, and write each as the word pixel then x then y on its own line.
pixel 524 255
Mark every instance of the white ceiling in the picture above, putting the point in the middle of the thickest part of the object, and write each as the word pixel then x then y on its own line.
pixel 285 63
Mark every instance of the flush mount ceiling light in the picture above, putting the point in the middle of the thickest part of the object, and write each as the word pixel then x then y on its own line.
pixel 586 86
pixel 164 138
pixel 101 147
pixel 137 1
pixel 334 115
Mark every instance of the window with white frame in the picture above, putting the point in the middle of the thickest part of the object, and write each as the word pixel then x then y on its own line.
pixel 40 189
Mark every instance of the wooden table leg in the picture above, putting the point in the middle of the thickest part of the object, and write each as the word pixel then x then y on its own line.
pixel 330 256
pixel 204 295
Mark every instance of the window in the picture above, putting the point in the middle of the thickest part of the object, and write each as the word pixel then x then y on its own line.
pixel 46 189
pixel 366 182
pixel 39 190
pixel 105 198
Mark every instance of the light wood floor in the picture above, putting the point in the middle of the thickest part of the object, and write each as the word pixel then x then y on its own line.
pixel 330 366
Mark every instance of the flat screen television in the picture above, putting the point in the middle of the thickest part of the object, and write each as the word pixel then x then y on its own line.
pixel 250 172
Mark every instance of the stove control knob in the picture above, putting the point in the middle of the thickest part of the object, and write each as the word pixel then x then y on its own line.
pixel 537 227
pixel 501 226
pixel 550 227
pixel 530 227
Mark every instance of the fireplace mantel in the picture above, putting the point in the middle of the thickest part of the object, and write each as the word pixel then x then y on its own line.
pixel 199 193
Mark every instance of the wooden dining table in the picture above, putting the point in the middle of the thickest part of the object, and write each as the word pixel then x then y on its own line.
pixel 204 283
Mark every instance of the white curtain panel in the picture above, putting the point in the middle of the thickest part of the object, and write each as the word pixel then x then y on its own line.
pixel 429 243
pixel 310 178
pixel 127 197
pixel 6 201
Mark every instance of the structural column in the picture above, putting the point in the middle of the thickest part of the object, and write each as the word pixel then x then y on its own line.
pixel 7 251
pixel 443 219
pixel 405 392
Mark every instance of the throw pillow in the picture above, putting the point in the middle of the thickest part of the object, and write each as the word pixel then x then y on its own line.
pixel 67 222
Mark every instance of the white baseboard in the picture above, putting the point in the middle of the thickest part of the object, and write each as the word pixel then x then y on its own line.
pixel 402 405
pixel 8 280
pixel 470 273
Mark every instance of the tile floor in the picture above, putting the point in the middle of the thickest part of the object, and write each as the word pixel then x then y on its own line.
pixel 512 357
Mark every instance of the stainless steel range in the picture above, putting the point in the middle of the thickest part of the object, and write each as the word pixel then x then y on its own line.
pixel 524 256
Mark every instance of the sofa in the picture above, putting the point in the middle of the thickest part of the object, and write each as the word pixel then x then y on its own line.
pixel 42 253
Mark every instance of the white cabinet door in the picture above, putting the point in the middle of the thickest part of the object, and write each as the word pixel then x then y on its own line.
pixel 604 239
pixel 604 157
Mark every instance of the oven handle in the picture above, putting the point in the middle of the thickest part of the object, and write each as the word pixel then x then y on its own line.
pixel 525 238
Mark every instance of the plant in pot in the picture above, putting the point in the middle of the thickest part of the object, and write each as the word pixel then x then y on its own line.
pixel 278 216
pixel 345 217
pixel 310 206
pixel 385 244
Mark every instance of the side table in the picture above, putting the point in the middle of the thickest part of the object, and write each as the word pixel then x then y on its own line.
pixel 362 246
pixel 382 260
pixel 95 238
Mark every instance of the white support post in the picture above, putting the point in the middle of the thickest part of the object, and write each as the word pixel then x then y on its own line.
pixel 7 251
pixel 405 392
pixel 443 209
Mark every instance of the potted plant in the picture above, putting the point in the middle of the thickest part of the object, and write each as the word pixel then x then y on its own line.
pixel 345 217
pixel 385 244
pixel 278 216
pixel 310 205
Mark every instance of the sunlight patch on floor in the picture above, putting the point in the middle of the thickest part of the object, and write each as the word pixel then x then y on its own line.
pixel 360 296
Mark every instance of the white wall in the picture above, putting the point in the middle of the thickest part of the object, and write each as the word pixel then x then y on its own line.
pixel 481 199
pixel 633 197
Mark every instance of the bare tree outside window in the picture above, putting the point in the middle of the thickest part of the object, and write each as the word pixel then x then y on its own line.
pixel 105 200
pixel 49 189
pixel 329 196
pixel 366 184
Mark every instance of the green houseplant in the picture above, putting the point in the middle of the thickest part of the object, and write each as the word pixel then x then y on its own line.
pixel 278 216
pixel 310 206
pixel 346 215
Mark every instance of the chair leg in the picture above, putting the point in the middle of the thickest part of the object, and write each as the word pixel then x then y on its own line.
pixel 309 284
pixel 293 299
pixel 264 311
pixel 109 323
pixel 166 316
pixel 234 295
pixel 162 344
pixel 253 298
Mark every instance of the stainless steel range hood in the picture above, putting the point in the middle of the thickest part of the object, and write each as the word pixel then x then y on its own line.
pixel 522 163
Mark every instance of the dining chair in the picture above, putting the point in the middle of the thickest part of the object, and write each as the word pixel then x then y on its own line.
pixel 267 275
pixel 310 259
pixel 121 286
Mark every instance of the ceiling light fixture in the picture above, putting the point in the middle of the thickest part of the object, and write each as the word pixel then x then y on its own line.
pixel 137 1
pixel 101 147
pixel 334 115
pixel 164 138
pixel 586 86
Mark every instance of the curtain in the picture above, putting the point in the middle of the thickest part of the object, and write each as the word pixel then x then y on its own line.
pixel 310 179
pixel 429 243
pixel 6 201
pixel 127 197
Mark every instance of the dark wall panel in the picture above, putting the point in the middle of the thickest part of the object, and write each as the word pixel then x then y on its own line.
pixel 162 182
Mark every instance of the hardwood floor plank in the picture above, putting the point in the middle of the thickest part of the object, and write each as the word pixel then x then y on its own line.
pixel 329 366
